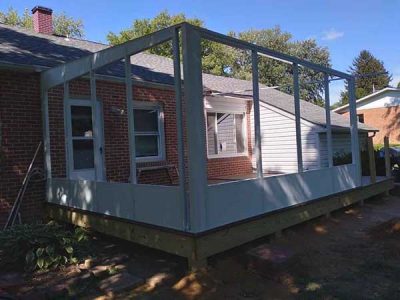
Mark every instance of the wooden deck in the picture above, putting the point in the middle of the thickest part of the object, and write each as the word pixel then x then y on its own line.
pixel 198 247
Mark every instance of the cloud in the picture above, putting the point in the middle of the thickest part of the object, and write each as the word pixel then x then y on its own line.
pixel 332 34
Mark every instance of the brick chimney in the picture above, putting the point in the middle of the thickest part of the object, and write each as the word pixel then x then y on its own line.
pixel 42 19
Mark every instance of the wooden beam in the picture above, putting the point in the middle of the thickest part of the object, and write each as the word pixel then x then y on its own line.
pixel 67 128
pixel 355 147
pixel 257 126
pixel 388 168
pixel 46 131
pixel 84 65
pixel 236 43
pixel 96 134
pixel 328 121
pixel 131 119
pixel 179 128
pixel 371 160
pixel 195 127
pixel 296 92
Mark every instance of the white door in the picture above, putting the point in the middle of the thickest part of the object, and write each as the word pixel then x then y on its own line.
pixel 85 140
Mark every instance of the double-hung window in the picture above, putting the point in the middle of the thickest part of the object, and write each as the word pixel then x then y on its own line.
pixel 149 132
pixel 226 134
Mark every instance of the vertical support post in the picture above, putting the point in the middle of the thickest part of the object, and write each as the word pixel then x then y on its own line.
pixel 355 147
pixel 66 127
pixel 131 121
pixel 256 101
pixel 179 128
pixel 328 121
pixel 387 157
pixel 96 134
pixel 371 159
pixel 296 93
pixel 195 127
pixel 46 132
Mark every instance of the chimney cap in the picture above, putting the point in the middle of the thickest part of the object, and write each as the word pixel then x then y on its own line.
pixel 42 8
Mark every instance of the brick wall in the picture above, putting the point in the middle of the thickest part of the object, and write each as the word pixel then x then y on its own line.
pixel 21 131
pixel 386 119
pixel 20 115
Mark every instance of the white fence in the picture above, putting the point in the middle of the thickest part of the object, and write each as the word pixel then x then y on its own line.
pixel 225 202
pixel 234 201
pixel 152 204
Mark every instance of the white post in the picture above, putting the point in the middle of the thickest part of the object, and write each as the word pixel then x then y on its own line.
pixel 66 127
pixel 296 92
pixel 46 132
pixel 328 121
pixel 355 147
pixel 195 125
pixel 179 128
pixel 257 126
pixel 96 134
pixel 131 120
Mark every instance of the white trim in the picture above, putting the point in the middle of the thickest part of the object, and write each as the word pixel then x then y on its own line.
pixel 146 105
pixel 244 130
pixel 98 135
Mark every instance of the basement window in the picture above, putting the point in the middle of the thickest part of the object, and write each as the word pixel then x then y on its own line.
pixel 226 134
pixel 360 118
pixel 149 132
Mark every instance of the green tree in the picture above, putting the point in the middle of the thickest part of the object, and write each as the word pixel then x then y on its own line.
pixel 398 85
pixel 219 59
pixel 277 73
pixel 215 60
pixel 363 67
pixel 62 24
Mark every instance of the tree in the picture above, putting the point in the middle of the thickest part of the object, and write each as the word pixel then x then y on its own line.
pixel 215 60
pixel 277 73
pixel 398 85
pixel 219 59
pixel 363 67
pixel 62 24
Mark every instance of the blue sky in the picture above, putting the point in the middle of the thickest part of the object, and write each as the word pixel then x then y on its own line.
pixel 345 27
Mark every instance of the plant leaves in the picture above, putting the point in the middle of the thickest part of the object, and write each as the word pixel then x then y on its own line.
pixel 69 249
pixel 40 262
pixel 39 252
pixel 30 257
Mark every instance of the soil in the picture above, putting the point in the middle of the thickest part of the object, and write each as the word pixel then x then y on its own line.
pixel 353 254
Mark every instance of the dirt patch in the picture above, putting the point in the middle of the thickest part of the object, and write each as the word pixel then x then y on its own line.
pixel 354 254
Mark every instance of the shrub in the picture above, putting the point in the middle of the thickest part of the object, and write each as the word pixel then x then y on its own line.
pixel 41 246
pixel 342 158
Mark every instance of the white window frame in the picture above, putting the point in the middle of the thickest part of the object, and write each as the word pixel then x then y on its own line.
pixel 244 128
pixel 161 136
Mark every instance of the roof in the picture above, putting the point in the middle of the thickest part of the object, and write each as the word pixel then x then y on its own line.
pixel 345 107
pixel 23 47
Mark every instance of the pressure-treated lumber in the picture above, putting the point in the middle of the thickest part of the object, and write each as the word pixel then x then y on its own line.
pixel 371 159
pixel 387 157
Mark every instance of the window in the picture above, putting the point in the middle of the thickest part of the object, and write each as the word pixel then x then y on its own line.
pixel 226 134
pixel 149 142
pixel 360 118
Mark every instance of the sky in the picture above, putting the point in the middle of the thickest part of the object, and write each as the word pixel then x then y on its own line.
pixel 344 27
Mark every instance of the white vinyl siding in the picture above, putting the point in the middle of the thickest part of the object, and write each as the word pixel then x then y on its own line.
pixel 341 144
pixel 278 134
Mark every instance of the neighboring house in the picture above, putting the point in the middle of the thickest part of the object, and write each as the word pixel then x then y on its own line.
pixel 379 110
pixel 76 121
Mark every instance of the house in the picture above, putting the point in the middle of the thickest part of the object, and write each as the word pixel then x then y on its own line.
pixel 134 151
pixel 379 110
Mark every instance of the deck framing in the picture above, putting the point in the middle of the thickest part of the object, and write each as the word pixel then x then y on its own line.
pixel 198 247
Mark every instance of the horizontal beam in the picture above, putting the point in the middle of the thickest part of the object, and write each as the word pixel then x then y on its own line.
pixel 233 42
pixel 84 65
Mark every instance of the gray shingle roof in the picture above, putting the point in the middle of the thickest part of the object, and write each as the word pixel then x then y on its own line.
pixel 25 47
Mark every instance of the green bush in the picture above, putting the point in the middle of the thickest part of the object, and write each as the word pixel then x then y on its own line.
pixel 41 246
